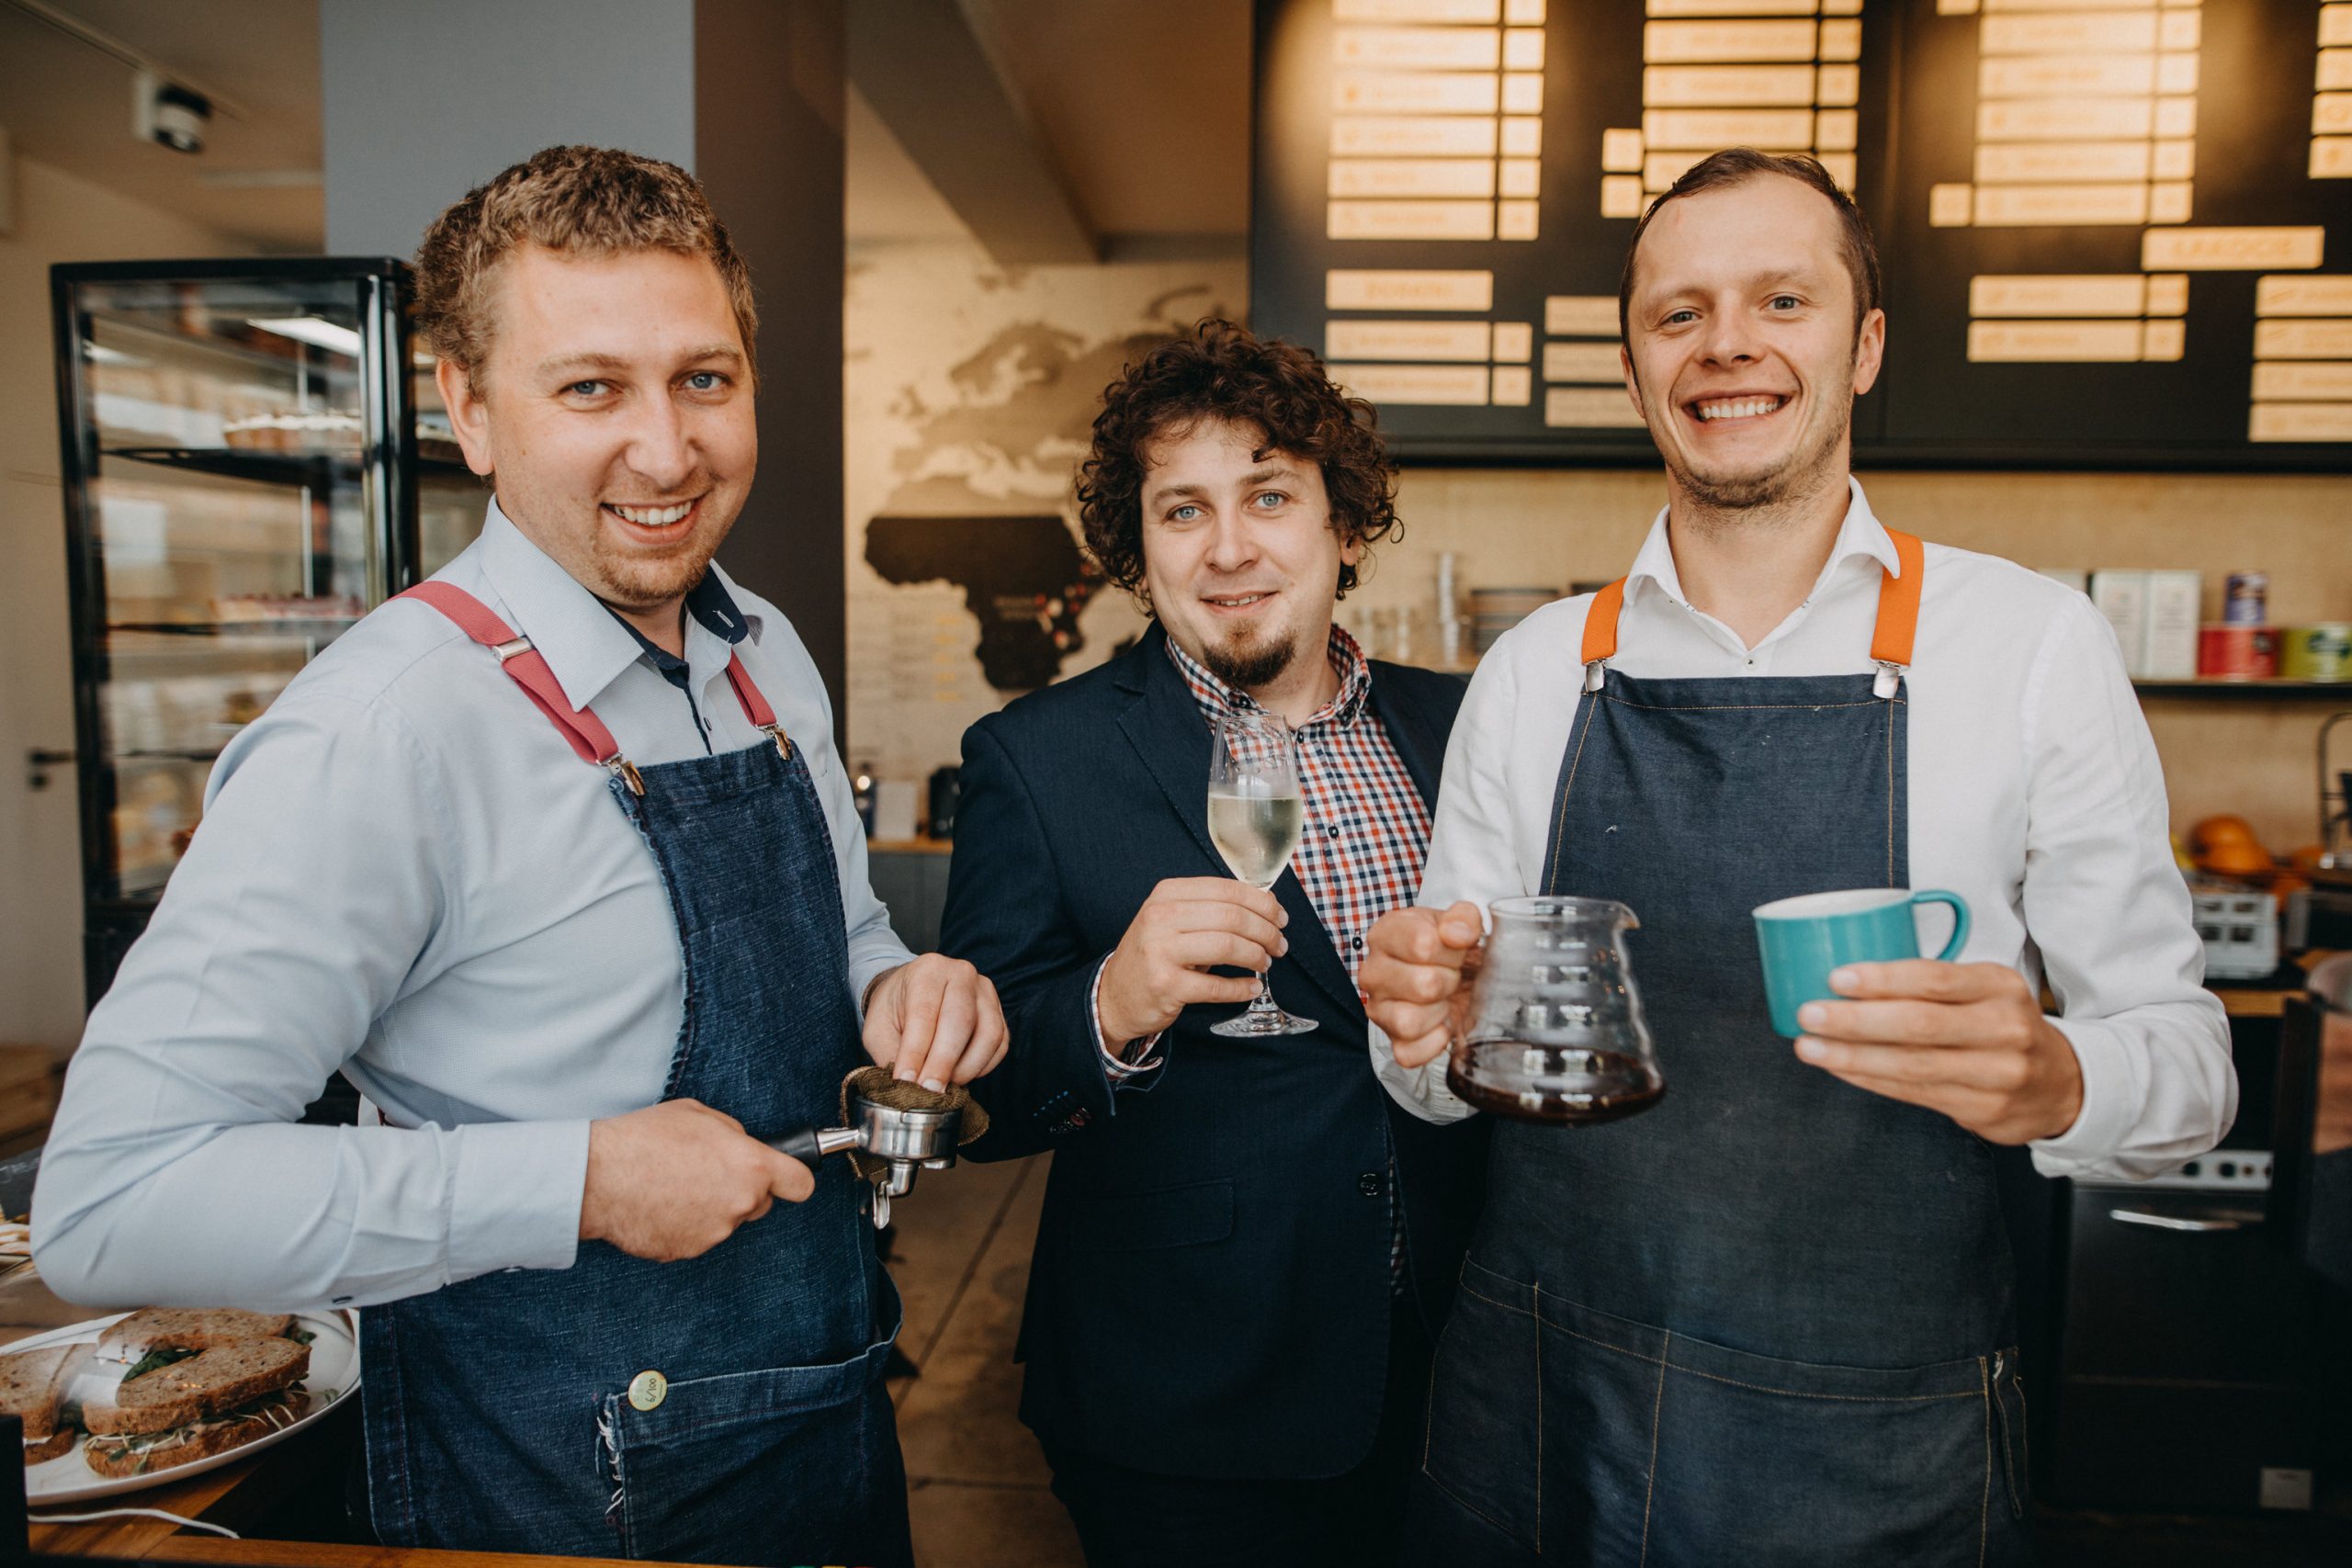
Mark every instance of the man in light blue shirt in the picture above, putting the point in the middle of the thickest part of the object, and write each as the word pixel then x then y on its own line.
pixel 568 988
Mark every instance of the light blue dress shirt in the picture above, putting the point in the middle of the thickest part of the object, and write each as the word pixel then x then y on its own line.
pixel 404 872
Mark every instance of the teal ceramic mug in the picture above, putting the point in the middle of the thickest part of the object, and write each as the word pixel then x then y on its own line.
pixel 1802 940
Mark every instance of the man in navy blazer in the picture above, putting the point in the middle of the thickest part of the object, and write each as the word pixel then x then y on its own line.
pixel 1247 1249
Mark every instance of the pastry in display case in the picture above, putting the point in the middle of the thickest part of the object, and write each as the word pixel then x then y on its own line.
pixel 242 474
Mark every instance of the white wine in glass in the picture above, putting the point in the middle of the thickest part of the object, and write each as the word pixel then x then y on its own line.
pixel 1256 813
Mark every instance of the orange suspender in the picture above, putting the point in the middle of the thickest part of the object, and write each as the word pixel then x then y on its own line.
pixel 1891 643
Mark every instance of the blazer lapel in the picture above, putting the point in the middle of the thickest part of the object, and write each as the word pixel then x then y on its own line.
pixel 1164 725
pixel 1417 744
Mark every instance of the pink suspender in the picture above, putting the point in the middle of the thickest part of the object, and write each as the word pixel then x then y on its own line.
pixel 583 730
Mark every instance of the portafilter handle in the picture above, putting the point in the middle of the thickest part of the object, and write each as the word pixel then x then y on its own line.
pixel 811 1145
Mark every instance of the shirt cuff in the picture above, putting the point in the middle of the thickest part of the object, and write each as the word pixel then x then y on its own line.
pixel 2106 1119
pixel 1422 1091
pixel 515 1195
pixel 1116 1067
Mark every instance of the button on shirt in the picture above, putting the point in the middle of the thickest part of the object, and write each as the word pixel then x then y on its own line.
pixel 2034 792
pixel 404 872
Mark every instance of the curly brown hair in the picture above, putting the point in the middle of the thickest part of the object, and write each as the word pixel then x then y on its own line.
pixel 590 201
pixel 1221 372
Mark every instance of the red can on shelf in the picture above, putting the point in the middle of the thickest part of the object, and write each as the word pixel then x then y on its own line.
pixel 2226 651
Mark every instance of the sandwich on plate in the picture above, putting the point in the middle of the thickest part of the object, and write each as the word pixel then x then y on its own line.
pixel 205 1394
pixel 32 1387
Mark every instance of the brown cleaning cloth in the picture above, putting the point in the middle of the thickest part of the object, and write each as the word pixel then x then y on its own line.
pixel 876 1084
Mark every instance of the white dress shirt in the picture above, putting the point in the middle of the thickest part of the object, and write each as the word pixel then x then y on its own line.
pixel 2034 792
pixel 404 872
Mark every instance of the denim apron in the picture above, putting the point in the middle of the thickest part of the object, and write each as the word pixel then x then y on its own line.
pixel 728 1408
pixel 1768 1321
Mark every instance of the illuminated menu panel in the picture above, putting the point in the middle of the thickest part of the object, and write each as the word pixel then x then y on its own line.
pixel 2075 215
pixel 2074 236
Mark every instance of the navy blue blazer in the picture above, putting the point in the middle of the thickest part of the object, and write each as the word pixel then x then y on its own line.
pixel 1210 1291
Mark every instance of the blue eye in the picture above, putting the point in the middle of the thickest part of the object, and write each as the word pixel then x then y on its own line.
pixel 1273 496
pixel 1183 513
pixel 585 388
pixel 705 380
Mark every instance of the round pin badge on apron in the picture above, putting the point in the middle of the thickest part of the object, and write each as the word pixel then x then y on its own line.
pixel 1769 1319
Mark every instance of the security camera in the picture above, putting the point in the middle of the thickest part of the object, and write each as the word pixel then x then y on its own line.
pixel 167 113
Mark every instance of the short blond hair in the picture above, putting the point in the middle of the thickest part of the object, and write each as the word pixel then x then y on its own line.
pixel 588 201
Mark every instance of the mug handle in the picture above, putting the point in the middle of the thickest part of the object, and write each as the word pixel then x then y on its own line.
pixel 1959 919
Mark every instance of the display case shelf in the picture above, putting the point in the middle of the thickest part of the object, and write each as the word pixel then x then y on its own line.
pixel 292 627
pixel 314 470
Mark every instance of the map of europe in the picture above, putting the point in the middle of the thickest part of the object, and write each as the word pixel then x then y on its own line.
pixel 981 498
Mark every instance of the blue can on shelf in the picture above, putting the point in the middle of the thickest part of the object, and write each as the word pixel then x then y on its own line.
pixel 2246 600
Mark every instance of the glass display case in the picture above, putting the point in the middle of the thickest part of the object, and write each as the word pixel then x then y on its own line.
pixel 242 475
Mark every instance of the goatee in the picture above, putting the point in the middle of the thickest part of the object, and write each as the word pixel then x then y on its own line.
pixel 1246 669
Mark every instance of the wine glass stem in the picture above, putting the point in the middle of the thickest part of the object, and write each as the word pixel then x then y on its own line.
pixel 1262 1004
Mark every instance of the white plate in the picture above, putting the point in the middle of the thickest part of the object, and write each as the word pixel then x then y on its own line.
pixel 334 1378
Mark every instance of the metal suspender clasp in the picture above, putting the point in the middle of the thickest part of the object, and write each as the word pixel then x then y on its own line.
pixel 621 768
pixel 783 741
pixel 1592 674
pixel 514 650
pixel 1890 676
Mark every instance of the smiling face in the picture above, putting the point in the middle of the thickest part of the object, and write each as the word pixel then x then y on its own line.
pixel 616 412
pixel 1741 346
pixel 1239 553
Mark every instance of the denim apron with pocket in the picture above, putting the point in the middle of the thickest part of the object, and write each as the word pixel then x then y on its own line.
pixel 1768 1321
pixel 728 1408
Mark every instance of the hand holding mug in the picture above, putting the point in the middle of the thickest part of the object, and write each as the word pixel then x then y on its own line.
pixel 1967 1040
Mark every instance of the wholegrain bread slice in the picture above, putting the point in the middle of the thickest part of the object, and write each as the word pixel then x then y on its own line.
pixel 209 1383
pixel 56 1445
pixel 189 1328
pixel 31 1383
pixel 116 1457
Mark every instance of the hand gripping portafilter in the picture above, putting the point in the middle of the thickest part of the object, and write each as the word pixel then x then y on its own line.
pixel 888 1129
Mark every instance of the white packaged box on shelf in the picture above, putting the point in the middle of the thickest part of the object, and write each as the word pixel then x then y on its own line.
pixel 2240 929
pixel 2168 646
pixel 2123 598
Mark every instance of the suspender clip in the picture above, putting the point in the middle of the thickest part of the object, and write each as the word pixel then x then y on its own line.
pixel 621 768
pixel 783 741
pixel 514 650
pixel 1890 676
pixel 1592 674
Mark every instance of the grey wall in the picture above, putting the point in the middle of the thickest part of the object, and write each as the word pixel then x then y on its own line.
pixel 425 100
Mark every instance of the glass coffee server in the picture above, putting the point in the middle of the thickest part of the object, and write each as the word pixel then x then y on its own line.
pixel 242 478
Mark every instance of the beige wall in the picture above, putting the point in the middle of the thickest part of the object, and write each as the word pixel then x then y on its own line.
pixel 59 218
pixel 1551 527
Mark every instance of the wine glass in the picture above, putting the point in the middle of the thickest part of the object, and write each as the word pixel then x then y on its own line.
pixel 1255 816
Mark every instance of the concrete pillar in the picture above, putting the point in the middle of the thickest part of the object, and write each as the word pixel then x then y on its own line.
pixel 425 100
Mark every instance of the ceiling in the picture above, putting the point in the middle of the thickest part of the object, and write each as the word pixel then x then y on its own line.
pixel 1142 107
pixel 68 105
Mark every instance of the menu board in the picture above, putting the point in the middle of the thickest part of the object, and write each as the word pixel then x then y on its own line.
pixel 2114 233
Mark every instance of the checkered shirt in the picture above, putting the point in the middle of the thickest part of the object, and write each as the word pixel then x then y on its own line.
pixel 1367 831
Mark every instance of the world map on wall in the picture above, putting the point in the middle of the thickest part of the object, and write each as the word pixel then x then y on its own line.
pixel 1024 579
pixel 1014 431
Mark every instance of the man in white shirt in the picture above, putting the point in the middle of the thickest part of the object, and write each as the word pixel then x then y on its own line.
pixel 553 858
pixel 1770 1320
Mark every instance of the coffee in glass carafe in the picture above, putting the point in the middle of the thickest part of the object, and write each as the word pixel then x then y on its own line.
pixel 1554 1031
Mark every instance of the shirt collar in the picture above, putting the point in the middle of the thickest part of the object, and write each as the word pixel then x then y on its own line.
pixel 1347 661
pixel 713 609
pixel 1861 534
pixel 584 644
